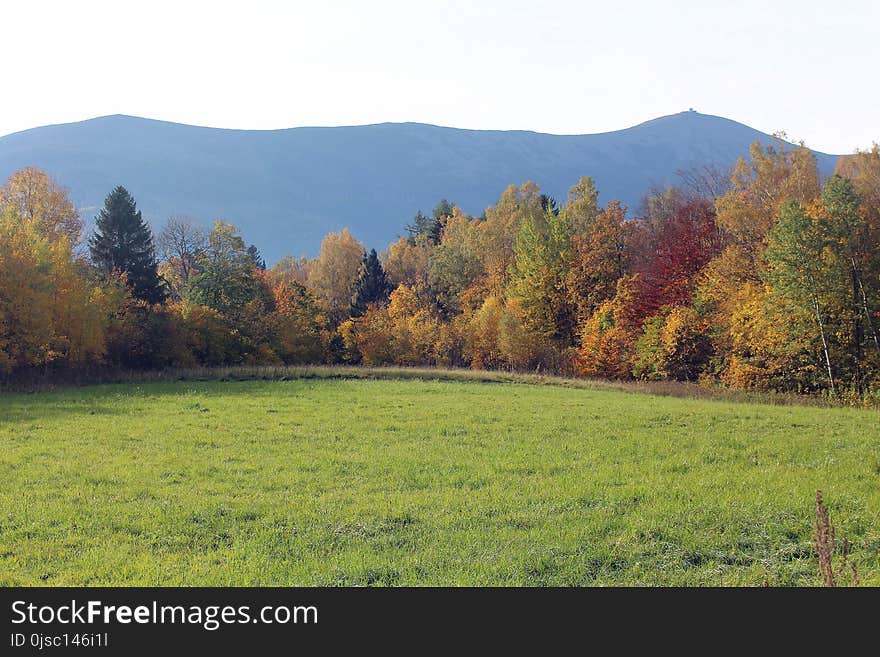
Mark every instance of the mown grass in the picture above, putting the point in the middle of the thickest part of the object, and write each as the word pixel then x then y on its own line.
pixel 338 481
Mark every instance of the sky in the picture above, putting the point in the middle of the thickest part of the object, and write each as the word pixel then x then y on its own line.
pixel 558 66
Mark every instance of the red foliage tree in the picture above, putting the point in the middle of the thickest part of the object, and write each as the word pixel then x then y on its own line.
pixel 683 244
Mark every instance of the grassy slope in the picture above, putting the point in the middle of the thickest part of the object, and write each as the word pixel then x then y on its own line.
pixel 423 482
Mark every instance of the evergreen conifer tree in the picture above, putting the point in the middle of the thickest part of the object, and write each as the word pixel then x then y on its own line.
pixel 254 254
pixel 122 242
pixel 372 285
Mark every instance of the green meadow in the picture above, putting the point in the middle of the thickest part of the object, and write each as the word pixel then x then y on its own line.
pixel 345 482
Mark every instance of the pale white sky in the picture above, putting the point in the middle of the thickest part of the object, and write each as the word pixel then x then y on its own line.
pixel 807 67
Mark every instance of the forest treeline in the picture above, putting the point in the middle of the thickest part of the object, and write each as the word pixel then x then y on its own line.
pixel 766 277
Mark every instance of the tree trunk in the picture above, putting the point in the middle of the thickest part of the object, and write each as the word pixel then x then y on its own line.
pixel 857 326
pixel 868 318
pixel 824 341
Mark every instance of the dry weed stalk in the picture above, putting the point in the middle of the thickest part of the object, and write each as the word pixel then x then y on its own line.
pixel 823 544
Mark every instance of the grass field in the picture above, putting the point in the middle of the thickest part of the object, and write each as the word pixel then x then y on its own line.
pixel 412 482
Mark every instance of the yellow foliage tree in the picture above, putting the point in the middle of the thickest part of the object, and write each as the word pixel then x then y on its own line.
pixel 609 336
pixel 407 263
pixel 51 311
pixel 335 273
pixel 775 173
pixel 34 197
pixel 497 235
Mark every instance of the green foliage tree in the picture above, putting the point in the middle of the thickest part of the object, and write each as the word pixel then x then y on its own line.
pixel 853 251
pixel 863 170
pixel 801 277
pixel 421 225
pixel 538 278
pixel 228 280
pixel 123 243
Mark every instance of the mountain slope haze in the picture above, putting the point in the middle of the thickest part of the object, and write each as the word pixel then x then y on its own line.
pixel 287 188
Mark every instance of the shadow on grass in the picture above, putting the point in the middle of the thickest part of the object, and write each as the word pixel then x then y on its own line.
pixel 685 390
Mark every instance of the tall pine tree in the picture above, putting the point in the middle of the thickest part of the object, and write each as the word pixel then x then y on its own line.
pixel 122 242
pixel 372 285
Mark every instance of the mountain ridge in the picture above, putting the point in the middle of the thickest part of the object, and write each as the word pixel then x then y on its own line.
pixel 286 188
pixel 146 119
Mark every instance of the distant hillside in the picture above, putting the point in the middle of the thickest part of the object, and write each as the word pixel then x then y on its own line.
pixel 287 188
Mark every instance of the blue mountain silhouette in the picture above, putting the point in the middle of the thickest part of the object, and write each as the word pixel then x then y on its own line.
pixel 285 189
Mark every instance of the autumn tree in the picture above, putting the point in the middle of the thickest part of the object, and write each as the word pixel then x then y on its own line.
pixel 143 335
pixel 756 348
pixel 415 327
pixel 674 344
pixel 405 331
pixel 123 243
pixel 33 196
pixel 291 270
pixel 705 181
pixel 206 336
pixel 599 258
pixel 582 206
pixel 497 235
pixel 335 274
pixel 297 324
pixel 683 244
pixel 407 262
pixel 519 347
pixel 482 335
pixel 51 310
pixel 497 335
pixel 774 174
pixel 609 335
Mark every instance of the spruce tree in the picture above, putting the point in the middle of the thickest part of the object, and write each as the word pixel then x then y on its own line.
pixel 421 226
pixel 122 242
pixel 430 228
pixel 372 285
pixel 254 254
